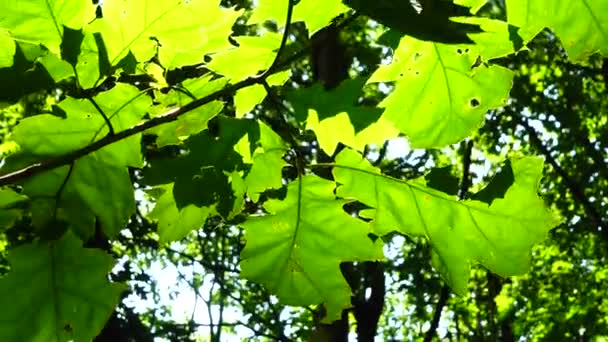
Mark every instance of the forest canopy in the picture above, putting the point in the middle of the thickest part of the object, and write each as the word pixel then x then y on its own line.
pixel 287 170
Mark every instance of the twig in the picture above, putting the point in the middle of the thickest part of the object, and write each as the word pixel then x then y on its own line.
pixel 275 62
pixel 103 115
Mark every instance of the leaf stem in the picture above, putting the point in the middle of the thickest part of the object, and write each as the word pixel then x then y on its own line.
pixel 105 117
pixel 275 62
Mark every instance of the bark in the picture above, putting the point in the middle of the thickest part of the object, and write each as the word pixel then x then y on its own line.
pixel 329 61
pixel 368 310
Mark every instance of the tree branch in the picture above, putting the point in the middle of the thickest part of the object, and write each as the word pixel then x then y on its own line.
pixel 170 116
pixel 443 299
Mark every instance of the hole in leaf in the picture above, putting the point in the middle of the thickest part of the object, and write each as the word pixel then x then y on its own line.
pixel 474 102
pixel 459 51
pixel 417 56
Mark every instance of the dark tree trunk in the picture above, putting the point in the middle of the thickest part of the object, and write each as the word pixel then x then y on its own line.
pixel 335 332
pixel 329 61
pixel 368 310
pixel 506 332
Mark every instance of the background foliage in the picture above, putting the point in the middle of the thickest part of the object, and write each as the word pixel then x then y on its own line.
pixel 307 170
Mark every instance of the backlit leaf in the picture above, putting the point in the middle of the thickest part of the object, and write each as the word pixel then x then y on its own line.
pixel 296 249
pixel 499 235
pixel 42 21
pixel 186 30
pixel 260 52
pixel 439 97
pixel 308 11
pixel 9 199
pixel 324 110
pixel 194 121
pixel 174 223
pixel 582 26
pixel 267 165
pixel 56 291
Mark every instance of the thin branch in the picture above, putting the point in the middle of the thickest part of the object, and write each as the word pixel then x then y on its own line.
pixel 202 262
pixel 103 115
pixel 170 116
pixel 285 130
pixel 575 189
pixel 275 62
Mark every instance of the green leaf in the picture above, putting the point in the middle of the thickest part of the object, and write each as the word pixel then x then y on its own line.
pixel 185 30
pixel 582 26
pixel 190 123
pixel 48 135
pixel 56 291
pixel 309 11
pixel 174 223
pixel 247 98
pixel 8 49
pixel 42 21
pixel 499 235
pixel 98 185
pixel 88 65
pixel 8 213
pixel 430 21
pixel 174 133
pixel 239 189
pixel 57 68
pixel 296 250
pixel 474 5
pixel 9 197
pixel 324 110
pixel 495 41
pixel 90 190
pixel 202 176
pixel 439 97
pixel 259 52
pixel 268 163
